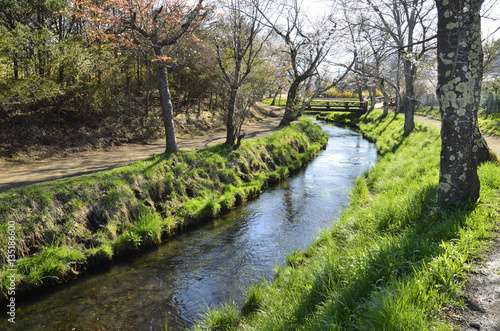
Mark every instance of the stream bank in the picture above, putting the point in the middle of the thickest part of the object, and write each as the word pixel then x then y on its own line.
pixel 68 226
pixel 214 262
pixel 391 261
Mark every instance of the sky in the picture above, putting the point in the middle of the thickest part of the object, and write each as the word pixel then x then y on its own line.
pixel 490 21
pixel 491 18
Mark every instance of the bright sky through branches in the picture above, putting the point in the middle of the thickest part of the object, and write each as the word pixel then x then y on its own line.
pixel 490 21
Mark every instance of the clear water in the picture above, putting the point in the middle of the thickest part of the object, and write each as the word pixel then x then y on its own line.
pixel 213 263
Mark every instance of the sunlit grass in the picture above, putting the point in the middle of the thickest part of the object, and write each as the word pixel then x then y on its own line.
pixel 224 318
pixel 391 261
pixel 278 102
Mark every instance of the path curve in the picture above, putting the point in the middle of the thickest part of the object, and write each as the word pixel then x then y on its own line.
pixel 27 174
pixel 492 141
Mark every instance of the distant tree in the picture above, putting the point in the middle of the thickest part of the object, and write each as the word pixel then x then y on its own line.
pixel 373 52
pixel 239 44
pixel 460 69
pixel 31 29
pixel 306 44
pixel 410 24
pixel 491 49
pixel 150 25
pixel 277 63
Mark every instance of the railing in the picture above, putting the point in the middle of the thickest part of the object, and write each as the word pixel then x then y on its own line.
pixel 347 106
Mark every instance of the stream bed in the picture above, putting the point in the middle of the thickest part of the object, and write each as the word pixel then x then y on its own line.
pixel 212 263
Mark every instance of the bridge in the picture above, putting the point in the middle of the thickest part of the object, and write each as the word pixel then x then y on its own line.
pixel 336 105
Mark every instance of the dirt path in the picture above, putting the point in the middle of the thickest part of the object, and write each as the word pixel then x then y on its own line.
pixel 493 142
pixel 26 174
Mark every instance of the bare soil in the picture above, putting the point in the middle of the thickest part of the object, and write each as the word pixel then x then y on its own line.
pixel 68 163
pixel 482 310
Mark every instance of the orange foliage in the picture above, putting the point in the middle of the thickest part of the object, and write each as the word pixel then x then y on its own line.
pixel 134 23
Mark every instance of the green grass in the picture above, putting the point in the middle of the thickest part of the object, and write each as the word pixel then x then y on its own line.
pixel 489 124
pixel 278 102
pixel 224 318
pixel 342 118
pixel 391 261
pixel 53 262
pixel 65 226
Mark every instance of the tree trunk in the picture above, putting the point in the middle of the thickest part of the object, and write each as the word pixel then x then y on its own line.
pixel 398 86
pixel 360 91
pixel 230 127
pixel 386 98
pixel 372 91
pixel 460 60
pixel 289 115
pixel 489 108
pixel 165 102
pixel 273 103
pixel 409 100
pixel 16 67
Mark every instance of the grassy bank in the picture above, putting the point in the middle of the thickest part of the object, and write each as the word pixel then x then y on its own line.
pixel 390 262
pixel 64 227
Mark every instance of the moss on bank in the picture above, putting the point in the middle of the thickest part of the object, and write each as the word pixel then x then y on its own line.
pixel 390 262
pixel 67 226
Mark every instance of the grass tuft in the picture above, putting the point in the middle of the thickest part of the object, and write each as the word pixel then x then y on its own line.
pixel 224 318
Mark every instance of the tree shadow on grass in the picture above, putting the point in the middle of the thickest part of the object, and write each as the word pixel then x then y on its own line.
pixel 400 252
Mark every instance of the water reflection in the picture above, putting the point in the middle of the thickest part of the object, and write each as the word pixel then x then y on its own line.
pixel 213 263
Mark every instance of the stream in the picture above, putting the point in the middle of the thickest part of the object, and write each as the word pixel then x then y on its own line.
pixel 209 264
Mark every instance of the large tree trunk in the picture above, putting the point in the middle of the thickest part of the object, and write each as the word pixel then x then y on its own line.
pixel 289 115
pixel 165 101
pixel 460 60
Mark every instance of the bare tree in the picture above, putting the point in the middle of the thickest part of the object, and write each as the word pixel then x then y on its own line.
pixel 306 43
pixel 410 24
pixel 238 43
pixel 374 52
